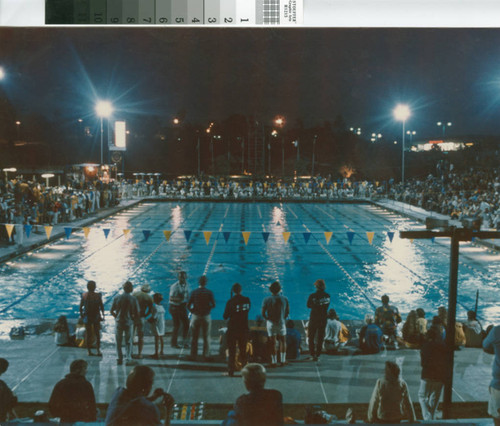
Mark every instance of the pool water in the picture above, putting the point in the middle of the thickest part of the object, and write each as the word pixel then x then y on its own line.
pixel 48 282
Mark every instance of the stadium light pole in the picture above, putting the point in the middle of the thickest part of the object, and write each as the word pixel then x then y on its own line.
pixel 314 148
pixel 444 125
pixel 103 109
pixel 402 113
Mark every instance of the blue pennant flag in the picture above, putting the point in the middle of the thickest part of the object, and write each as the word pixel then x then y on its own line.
pixel 390 234
pixel 68 232
pixel 27 230
pixel 265 235
pixel 187 234
pixel 226 235
pixel 350 236
pixel 146 233
pixel 106 232
pixel 306 235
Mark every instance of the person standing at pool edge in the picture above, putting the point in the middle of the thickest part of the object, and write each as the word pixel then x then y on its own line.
pixel 145 310
pixel 92 313
pixel 318 302
pixel 177 302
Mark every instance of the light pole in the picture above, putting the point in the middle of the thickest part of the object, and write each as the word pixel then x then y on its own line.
pixel 280 122
pixel 103 109
pixel 401 113
pixel 242 143
pixel 444 125
pixel 411 133
pixel 314 148
pixel 356 130
pixel 47 176
pixel 375 137
pixel 198 149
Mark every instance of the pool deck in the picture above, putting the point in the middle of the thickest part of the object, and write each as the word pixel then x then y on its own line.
pixel 36 363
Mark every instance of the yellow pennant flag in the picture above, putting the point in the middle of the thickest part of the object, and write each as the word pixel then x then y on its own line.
pixel 48 231
pixel 328 237
pixel 167 234
pixel 86 231
pixel 207 235
pixel 126 232
pixel 9 229
pixel 370 235
pixel 286 236
pixel 246 236
pixel 411 240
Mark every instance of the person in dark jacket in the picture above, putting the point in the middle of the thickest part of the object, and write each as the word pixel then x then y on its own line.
pixel 92 313
pixel 7 399
pixel 318 302
pixel 433 361
pixel 236 312
pixel 370 337
pixel 201 301
pixel 73 399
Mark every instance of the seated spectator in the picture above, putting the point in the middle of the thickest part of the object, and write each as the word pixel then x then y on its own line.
pixel 332 332
pixel 421 324
pixel 473 330
pixel 7 399
pixel 73 398
pixel 293 340
pixel 390 401
pixel 132 406
pixel 411 335
pixel 263 407
pixel 370 337
pixel 62 335
pixel 260 341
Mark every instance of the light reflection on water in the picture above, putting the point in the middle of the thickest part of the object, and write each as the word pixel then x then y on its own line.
pixel 49 282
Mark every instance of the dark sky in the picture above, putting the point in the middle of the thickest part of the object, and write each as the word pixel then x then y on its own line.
pixel 311 73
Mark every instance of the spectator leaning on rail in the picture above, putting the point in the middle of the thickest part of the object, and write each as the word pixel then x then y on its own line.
pixel 73 399
pixel 491 344
pixel 318 302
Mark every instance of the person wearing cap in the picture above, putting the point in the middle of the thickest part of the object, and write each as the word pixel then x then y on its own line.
pixel 125 310
pixel 275 310
pixel 318 302
pixel 92 313
pixel 177 301
pixel 146 307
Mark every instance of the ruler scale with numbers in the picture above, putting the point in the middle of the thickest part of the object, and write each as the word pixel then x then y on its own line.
pixel 174 12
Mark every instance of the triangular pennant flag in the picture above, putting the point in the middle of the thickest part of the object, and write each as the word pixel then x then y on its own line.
pixel 187 234
pixel 350 236
pixel 265 235
pixel 68 230
pixel 167 234
pixel 390 234
pixel 433 239
pixel 27 230
pixel 207 235
pixel 86 231
pixel 278 223
pixel 246 236
pixel 306 235
pixel 286 236
pixel 106 232
pixel 226 235
pixel 48 231
pixel 9 229
pixel 328 236
pixel 126 232
pixel 146 234
pixel 370 235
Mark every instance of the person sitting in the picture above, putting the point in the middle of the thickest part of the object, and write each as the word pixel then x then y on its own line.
pixel 7 399
pixel 473 330
pixel 387 317
pixel 390 401
pixel 263 407
pixel 370 337
pixel 132 406
pixel 332 332
pixel 260 341
pixel 411 335
pixel 62 334
pixel 459 328
pixel 73 399
pixel 421 324
pixel 293 340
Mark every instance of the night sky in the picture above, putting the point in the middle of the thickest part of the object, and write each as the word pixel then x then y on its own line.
pixel 309 73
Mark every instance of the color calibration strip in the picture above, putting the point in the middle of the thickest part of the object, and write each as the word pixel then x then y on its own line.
pixel 174 12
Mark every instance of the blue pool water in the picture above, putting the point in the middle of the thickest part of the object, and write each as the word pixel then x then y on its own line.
pixel 48 282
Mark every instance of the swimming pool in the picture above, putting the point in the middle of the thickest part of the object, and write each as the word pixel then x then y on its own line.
pixel 48 282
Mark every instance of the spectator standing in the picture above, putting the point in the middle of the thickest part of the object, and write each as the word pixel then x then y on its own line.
pixel 125 310
pixel 92 313
pixel 433 361
pixel 275 310
pixel 178 297
pixel 7 399
pixel 132 405
pixel 473 330
pixel 259 340
pixel 145 302
pixel 491 344
pixel 318 302
pixel 387 317
pixel 159 324
pixel 73 399
pixel 236 312
pixel 332 332
pixel 390 401
pixel 370 337
pixel 293 340
pixel 201 301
